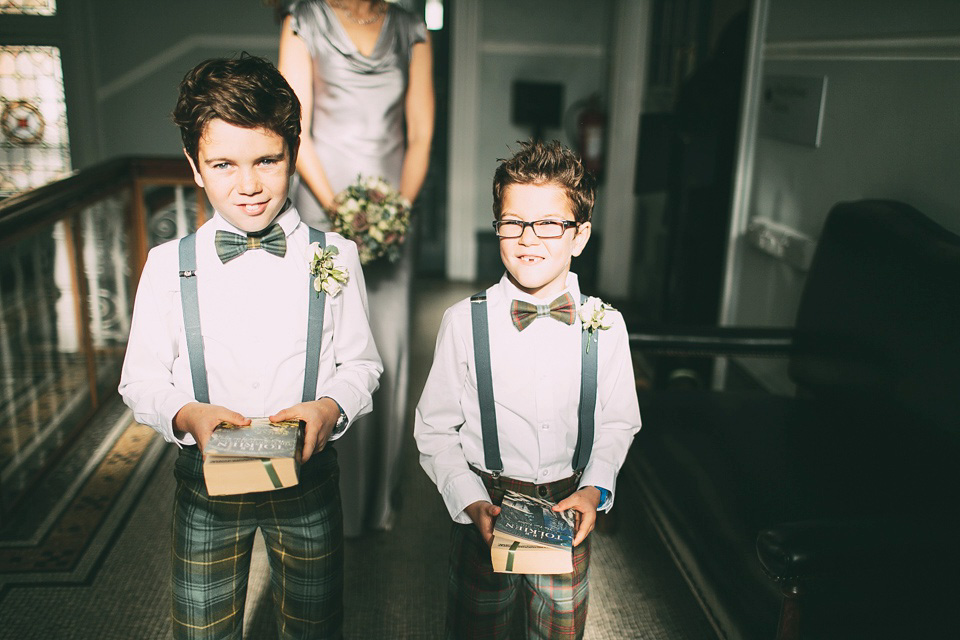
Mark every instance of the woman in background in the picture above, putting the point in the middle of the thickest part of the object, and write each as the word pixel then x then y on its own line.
pixel 362 70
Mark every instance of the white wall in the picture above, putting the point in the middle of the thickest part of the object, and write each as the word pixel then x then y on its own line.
pixel 890 130
pixel 141 51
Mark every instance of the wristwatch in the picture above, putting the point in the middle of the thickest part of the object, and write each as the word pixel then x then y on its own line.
pixel 341 421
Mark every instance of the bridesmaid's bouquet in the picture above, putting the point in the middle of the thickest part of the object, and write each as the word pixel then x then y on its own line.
pixel 375 216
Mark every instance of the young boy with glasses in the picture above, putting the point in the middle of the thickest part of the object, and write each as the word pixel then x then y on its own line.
pixel 230 323
pixel 531 390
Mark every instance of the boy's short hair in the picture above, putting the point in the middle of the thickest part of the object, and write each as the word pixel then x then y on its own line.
pixel 542 163
pixel 246 92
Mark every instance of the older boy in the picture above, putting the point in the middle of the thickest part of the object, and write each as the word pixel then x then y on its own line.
pixel 221 332
pixel 545 438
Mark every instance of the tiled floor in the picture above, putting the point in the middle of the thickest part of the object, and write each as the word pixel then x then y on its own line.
pixel 117 585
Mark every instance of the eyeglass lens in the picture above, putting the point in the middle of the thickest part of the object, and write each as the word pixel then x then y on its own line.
pixel 541 228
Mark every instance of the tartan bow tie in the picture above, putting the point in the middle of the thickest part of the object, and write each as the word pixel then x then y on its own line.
pixel 523 313
pixel 231 245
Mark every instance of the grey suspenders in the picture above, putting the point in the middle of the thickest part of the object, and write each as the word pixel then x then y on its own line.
pixel 314 328
pixel 191 321
pixel 488 413
pixel 190 302
pixel 481 358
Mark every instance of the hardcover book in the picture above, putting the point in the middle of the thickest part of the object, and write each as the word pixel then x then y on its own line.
pixel 529 537
pixel 260 457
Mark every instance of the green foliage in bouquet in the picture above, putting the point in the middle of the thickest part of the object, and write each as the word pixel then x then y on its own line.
pixel 375 216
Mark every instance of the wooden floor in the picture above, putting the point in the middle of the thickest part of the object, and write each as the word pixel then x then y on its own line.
pixel 96 535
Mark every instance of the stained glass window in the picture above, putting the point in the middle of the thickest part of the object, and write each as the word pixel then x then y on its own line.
pixel 34 144
pixel 29 7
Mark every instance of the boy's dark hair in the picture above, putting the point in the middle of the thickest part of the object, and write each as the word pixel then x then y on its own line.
pixel 246 92
pixel 541 163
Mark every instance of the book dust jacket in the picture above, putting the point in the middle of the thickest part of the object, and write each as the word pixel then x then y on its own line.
pixel 529 537
pixel 260 457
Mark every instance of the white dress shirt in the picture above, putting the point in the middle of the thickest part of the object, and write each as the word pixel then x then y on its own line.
pixel 253 317
pixel 536 389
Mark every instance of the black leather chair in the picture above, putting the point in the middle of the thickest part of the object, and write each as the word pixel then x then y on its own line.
pixel 831 514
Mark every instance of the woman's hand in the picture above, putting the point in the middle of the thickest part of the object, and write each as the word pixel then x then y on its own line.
pixel 329 208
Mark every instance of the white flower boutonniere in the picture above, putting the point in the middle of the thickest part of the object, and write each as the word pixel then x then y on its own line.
pixel 330 277
pixel 593 317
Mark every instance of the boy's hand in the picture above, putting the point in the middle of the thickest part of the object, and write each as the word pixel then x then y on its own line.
pixel 482 513
pixel 584 503
pixel 319 417
pixel 200 419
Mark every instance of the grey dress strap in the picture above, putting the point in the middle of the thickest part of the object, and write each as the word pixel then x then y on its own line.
pixel 190 301
pixel 488 413
pixel 314 328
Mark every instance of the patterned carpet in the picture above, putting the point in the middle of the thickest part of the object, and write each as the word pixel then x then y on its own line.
pixel 87 555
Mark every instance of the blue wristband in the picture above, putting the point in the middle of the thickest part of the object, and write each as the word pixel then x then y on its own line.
pixel 604 496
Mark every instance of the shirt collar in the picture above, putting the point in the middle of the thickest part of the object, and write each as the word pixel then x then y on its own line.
pixel 509 291
pixel 288 219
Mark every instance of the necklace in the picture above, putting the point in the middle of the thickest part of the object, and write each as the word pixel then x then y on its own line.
pixel 381 10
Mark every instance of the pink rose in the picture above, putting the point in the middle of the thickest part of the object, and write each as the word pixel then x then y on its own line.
pixel 360 222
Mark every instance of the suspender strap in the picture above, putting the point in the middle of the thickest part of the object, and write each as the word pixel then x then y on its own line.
pixel 314 328
pixel 588 397
pixel 488 414
pixel 190 302
pixel 488 410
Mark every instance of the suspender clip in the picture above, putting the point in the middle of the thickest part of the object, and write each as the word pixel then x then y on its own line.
pixel 191 273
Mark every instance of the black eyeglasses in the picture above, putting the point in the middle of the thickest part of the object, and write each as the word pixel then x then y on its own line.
pixel 541 228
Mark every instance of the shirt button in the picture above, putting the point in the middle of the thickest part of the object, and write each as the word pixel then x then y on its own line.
pixel 544 473
pixel 256 385
pixel 545 426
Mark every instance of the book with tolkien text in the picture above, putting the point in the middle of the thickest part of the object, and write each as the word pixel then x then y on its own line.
pixel 529 537
pixel 260 457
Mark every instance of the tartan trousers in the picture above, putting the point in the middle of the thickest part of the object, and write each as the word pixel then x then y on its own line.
pixel 482 604
pixel 213 540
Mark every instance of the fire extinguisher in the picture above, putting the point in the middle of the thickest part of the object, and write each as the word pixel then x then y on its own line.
pixel 589 133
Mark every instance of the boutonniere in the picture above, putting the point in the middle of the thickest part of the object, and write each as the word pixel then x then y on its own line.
pixel 330 277
pixel 593 317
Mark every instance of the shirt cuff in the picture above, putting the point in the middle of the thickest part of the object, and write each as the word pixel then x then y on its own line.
pixel 460 493
pixel 346 398
pixel 168 410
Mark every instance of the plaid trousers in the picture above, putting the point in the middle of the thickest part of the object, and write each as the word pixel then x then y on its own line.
pixel 213 540
pixel 482 604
